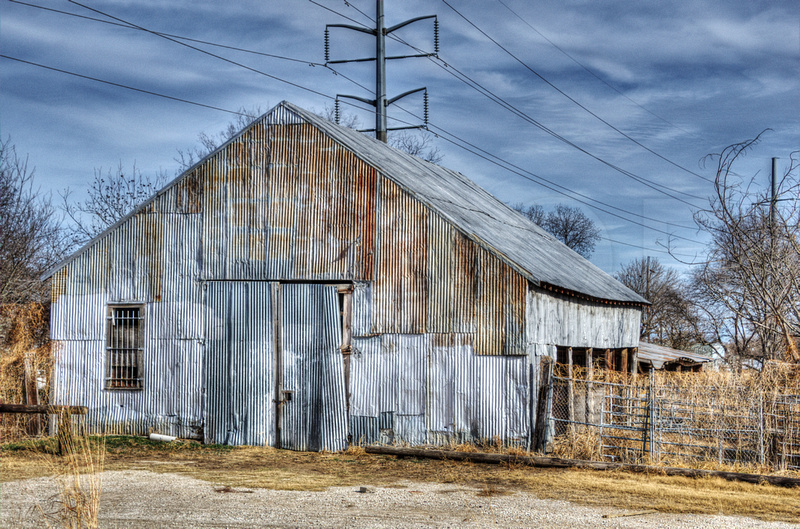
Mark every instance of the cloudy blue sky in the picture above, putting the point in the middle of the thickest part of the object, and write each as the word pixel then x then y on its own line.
pixel 596 104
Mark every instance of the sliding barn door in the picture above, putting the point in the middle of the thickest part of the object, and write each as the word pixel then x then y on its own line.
pixel 313 414
pixel 274 370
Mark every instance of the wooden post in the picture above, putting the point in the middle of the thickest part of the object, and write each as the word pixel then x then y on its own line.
pixel 544 405
pixel 570 394
pixel 589 389
pixel 635 358
pixel 32 394
pixel 624 366
pixel 65 440
pixel 609 363
pixel 346 293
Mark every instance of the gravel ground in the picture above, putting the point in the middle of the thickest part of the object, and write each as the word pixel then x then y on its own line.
pixel 142 499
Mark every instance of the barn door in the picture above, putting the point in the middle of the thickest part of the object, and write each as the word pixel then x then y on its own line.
pixel 239 374
pixel 310 390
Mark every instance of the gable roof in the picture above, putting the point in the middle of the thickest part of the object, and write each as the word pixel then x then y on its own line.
pixel 526 247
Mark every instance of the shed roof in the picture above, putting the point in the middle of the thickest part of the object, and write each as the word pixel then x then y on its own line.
pixel 658 355
pixel 529 249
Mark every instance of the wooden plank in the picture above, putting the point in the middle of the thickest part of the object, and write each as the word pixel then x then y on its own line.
pixel 625 514
pixel 26 408
pixel 556 462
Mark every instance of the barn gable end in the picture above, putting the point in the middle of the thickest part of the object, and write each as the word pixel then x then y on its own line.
pixel 445 311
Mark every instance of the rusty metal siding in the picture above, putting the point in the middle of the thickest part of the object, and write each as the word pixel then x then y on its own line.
pixel 286 202
pixel 554 319
pixel 493 225
pixel 500 307
pixel 401 281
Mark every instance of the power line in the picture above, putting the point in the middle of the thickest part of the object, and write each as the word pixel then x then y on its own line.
pixel 149 92
pixel 129 26
pixel 206 52
pixel 464 78
pixel 593 74
pixel 518 170
pixel 329 97
pixel 573 100
pixel 172 38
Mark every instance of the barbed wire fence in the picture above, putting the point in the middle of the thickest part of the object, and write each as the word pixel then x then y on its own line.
pixel 680 419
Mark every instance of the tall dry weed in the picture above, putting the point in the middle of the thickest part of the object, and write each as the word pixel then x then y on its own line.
pixel 77 465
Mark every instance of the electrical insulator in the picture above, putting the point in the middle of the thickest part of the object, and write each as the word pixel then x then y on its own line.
pixel 425 107
pixel 336 110
pixel 327 45
pixel 436 36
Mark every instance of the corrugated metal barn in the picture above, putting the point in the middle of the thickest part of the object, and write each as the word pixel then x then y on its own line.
pixel 306 284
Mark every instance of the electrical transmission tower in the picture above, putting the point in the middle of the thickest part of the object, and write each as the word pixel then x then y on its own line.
pixel 381 102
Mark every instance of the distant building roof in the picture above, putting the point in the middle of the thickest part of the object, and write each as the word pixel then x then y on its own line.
pixel 658 355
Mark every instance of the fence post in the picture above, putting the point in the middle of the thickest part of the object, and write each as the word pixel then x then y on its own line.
pixel 570 395
pixel 544 405
pixel 761 424
pixel 589 404
pixel 651 405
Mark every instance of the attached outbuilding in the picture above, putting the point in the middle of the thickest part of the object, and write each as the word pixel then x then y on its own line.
pixel 306 286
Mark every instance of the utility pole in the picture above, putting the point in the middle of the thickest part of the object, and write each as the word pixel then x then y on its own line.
pixel 380 102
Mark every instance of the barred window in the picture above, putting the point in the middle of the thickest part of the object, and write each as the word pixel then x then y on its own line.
pixel 124 342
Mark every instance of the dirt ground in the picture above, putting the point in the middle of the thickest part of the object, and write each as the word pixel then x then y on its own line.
pixel 145 499
pixel 184 485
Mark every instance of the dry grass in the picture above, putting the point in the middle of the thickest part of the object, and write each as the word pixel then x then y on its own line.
pixel 23 333
pixel 246 468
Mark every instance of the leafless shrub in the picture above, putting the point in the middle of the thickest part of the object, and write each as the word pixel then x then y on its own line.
pixel 30 240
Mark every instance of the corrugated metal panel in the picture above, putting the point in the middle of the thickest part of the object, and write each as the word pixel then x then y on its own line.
pixel 500 307
pixel 436 389
pixel 554 319
pixel 288 203
pixel 316 416
pixel 239 375
pixel 361 319
pixel 169 402
pixel 365 376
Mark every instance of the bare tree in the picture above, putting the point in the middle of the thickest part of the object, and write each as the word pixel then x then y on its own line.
pixel 110 197
pixel 534 213
pixel 418 144
pixel 671 319
pixel 748 286
pixel 572 227
pixel 29 231
pixel 566 223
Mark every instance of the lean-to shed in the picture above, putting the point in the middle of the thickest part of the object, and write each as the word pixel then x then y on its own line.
pixel 305 285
